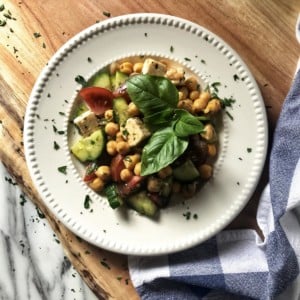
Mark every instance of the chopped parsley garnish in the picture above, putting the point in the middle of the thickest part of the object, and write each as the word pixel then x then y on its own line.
pixel 87 202
pixel 229 115
pixel 145 34
pixel 2 7
pixel 56 146
pixel 203 61
pixel 187 215
pixel 227 102
pixel 249 150
pixel 187 59
pixel 62 169
pixel 2 22
pixel 44 45
pixel 215 86
pixel 236 77
pixel 89 59
pixel 172 49
pixel 61 113
pixel 80 79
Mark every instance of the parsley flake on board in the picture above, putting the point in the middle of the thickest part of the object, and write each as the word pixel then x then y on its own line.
pixel 106 14
pixel 249 150
pixel 105 264
pixel 37 35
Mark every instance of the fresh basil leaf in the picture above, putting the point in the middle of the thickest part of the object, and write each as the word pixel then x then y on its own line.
pixel 163 148
pixel 159 120
pixel 152 94
pixel 186 124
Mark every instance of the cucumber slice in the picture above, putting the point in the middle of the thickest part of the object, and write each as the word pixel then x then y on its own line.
pixel 102 79
pixel 186 172
pixel 113 197
pixel 120 78
pixel 89 148
pixel 142 204
pixel 120 108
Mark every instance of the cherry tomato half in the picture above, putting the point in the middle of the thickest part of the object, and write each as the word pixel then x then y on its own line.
pixel 116 166
pixel 98 99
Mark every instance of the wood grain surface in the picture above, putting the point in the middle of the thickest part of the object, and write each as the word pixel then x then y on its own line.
pixel 262 32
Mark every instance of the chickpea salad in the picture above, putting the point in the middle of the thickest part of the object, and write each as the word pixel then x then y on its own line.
pixel 147 131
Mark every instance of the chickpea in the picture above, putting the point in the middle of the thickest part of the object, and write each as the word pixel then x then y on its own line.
pixel 126 67
pixel 179 74
pixel 194 95
pixel 211 150
pixel 205 171
pixel 137 169
pixel 185 92
pixel 137 67
pixel 111 147
pixel 165 172
pixel 123 147
pixel 186 104
pixel 213 106
pixel 133 110
pixel 109 115
pixel 191 83
pixel 119 137
pixel 103 172
pixel 153 184
pixel 209 133
pixel 111 128
pixel 126 175
pixel 205 96
pixel 180 95
pixel 199 105
pixel 131 160
pixel 97 185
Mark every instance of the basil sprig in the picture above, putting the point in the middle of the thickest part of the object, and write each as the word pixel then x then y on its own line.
pixel 161 150
pixel 157 98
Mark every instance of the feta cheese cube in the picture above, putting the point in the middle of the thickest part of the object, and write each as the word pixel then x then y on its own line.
pixel 154 67
pixel 136 131
pixel 87 123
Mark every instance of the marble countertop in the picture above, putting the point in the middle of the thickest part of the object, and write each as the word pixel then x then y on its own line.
pixel 32 260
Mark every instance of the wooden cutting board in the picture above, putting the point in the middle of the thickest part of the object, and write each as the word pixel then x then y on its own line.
pixel 262 32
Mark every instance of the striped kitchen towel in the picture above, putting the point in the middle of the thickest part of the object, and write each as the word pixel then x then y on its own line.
pixel 237 264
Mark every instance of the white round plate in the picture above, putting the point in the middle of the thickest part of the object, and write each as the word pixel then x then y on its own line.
pixel 243 139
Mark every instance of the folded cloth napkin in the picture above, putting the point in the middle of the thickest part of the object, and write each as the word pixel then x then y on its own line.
pixel 238 264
